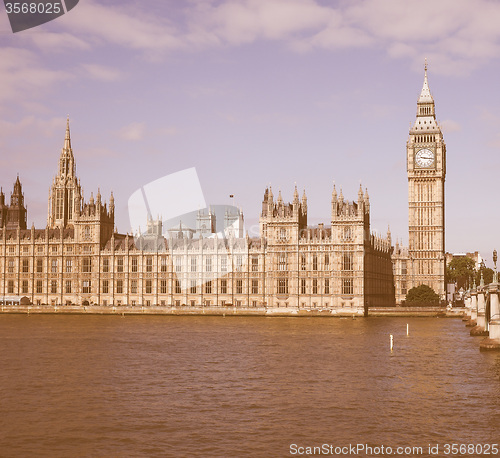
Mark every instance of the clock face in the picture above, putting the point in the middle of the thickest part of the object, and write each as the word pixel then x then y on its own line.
pixel 424 157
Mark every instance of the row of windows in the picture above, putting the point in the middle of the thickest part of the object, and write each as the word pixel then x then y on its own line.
pixel 87 264
pixel 25 265
pixel 347 287
pixel 148 287
pixel 40 249
pixel 315 286
pixel 425 138
pixel 426 110
pixel 54 249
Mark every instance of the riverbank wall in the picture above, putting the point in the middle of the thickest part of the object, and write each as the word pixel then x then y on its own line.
pixel 230 311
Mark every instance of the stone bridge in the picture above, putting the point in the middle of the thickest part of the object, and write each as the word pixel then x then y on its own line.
pixel 482 313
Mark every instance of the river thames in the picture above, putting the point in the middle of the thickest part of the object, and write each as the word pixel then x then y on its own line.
pixel 241 386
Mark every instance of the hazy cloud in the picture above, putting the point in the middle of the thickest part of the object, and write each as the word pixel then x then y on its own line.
pixel 449 125
pixel 123 25
pixel 101 72
pixel 53 41
pixel 456 35
pixel 22 73
pixel 133 132
pixel 41 127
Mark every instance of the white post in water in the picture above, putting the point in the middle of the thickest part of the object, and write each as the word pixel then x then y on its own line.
pixel 392 342
pixel 407 329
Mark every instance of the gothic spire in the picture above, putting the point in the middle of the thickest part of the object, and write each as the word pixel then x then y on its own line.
pixel 425 95
pixel 17 186
pixel 360 193
pixel 67 160
pixel 67 138
pixel 425 122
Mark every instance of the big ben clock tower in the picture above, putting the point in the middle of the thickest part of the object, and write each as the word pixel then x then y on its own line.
pixel 426 166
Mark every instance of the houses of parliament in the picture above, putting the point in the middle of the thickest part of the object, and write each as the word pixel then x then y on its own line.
pixel 79 258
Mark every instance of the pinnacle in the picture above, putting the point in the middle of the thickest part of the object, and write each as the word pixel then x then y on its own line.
pixel 67 137
pixel 425 95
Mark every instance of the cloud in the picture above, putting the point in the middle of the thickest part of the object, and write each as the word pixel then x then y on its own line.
pixel 33 127
pixel 451 31
pixel 238 22
pixel 133 132
pixel 457 36
pixel 101 72
pixel 124 25
pixel 449 125
pixel 23 74
pixel 168 131
pixel 26 155
pixel 45 40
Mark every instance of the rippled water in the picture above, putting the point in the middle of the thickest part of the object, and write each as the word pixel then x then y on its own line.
pixel 235 386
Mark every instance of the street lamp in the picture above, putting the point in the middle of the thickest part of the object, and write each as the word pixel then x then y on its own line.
pixel 483 266
pixel 495 275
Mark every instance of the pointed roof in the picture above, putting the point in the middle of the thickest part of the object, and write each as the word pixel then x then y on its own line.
pixel 67 137
pixel 67 160
pixel 17 186
pixel 425 95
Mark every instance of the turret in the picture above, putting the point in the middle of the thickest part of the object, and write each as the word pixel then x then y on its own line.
pixel 15 215
pixel 265 202
pixel 66 193
pixel 361 201
pixel 111 205
pixel 296 201
pixel 334 201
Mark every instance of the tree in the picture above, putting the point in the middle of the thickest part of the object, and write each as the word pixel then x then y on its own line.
pixel 422 295
pixel 460 270
pixel 487 275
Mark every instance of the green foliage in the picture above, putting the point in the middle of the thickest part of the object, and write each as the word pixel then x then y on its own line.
pixel 487 275
pixel 422 295
pixel 460 270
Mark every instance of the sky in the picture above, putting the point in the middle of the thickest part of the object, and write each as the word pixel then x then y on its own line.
pixel 255 93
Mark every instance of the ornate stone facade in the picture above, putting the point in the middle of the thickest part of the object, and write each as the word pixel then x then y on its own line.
pixel 426 166
pixel 80 258
pixel 14 215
